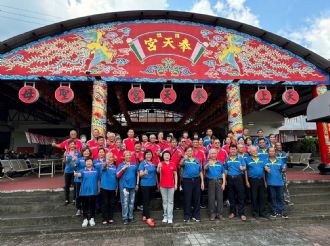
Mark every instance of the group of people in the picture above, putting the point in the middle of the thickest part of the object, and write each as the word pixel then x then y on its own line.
pixel 239 169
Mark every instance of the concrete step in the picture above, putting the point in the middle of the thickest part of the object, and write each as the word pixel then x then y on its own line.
pixel 308 188
pixel 140 227
pixel 310 197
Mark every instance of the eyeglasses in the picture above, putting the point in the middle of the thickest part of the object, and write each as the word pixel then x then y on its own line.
pixel 183 141
pixel 216 142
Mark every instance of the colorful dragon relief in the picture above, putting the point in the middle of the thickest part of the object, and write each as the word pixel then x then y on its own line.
pixel 147 50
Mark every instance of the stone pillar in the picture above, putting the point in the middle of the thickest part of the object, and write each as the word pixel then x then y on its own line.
pixel 323 130
pixel 234 109
pixel 99 106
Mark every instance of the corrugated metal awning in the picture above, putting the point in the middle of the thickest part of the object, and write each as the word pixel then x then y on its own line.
pixel 318 110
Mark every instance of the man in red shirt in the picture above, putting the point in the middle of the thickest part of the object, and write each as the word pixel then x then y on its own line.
pixel 176 153
pixel 137 154
pixel 110 140
pixel 221 153
pixel 145 142
pixel 163 144
pixel 93 142
pixel 118 152
pixel 185 135
pixel 227 144
pixel 182 145
pixel 197 153
pixel 129 142
pixel 65 144
pixel 155 149
pixel 100 144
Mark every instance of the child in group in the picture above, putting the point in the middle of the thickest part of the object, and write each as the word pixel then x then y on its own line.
pixel 128 183
pixel 168 184
pixel 148 177
pixel 70 156
pixel 80 164
pixel 88 190
pixel 274 168
pixel 108 188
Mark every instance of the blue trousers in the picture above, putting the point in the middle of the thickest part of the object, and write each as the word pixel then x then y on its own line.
pixel 277 198
pixel 127 198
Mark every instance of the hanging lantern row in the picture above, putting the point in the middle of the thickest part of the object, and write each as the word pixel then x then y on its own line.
pixel 263 96
pixel 168 95
pixel 29 93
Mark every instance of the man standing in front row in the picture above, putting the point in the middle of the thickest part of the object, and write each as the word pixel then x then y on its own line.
pixel 235 167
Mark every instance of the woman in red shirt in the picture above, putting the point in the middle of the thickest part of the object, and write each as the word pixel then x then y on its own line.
pixel 168 184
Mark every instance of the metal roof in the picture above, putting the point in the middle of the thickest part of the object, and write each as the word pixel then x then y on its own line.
pixel 63 26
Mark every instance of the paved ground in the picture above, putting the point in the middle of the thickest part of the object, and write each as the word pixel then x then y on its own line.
pixel 315 234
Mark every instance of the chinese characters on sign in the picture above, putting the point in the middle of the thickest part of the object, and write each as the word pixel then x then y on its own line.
pixel 290 97
pixel 170 40
pixel 136 95
pixel 199 96
pixel 263 96
pixel 64 94
pixel 28 94
pixel 168 95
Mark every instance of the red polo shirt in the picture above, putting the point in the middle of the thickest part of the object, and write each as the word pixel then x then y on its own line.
pixel 92 143
pixel 166 175
pixel 154 149
pixel 226 148
pixel 163 144
pixel 118 154
pixel 65 144
pixel 199 155
pixel 222 156
pixel 129 143
pixel 95 152
pixel 176 155
pixel 188 142
pixel 137 156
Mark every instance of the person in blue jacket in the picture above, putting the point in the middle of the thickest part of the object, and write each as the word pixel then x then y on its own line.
pixel 260 133
pixel 262 149
pixel 274 168
pixel 193 183
pixel 70 156
pixel 235 167
pixel 98 164
pixel 148 181
pixel 79 165
pixel 88 190
pixel 255 180
pixel 108 188
pixel 128 183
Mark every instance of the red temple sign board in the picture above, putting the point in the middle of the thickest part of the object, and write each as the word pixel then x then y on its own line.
pixel 158 50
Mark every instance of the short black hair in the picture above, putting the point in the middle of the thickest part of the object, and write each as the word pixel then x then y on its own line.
pixel 233 146
pixel 259 139
pixel 71 141
pixel 146 152
pixel 164 152
pixel 137 142
pixel 88 158
pixel 99 137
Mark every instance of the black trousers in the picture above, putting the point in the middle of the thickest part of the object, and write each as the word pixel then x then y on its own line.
pixel 177 193
pixel 108 204
pixel 236 192
pixel 88 206
pixel 146 198
pixel 257 196
pixel 138 197
pixel 68 178
pixel 77 193
pixel 191 192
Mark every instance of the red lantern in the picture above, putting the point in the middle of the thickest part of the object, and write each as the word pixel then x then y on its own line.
pixel 199 95
pixel 64 94
pixel 28 94
pixel 168 95
pixel 136 95
pixel 290 96
pixel 263 96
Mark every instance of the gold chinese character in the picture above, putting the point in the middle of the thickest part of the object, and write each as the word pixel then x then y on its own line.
pixel 151 42
pixel 168 42
pixel 184 45
pixel 159 35
pixel 177 35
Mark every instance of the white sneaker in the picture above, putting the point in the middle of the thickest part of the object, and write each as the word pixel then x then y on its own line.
pixel 164 220
pixel 78 212
pixel 170 221
pixel 92 222
pixel 85 223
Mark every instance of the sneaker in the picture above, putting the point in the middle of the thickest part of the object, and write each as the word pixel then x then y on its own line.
pixel 170 221
pixel 186 220
pixel 104 222
pixel 273 215
pixel 285 216
pixel 139 208
pixel 131 220
pixel 110 221
pixel 73 202
pixel 264 215
pixel 92 222
pixel 231 215
pixel 125 222
pixel 243 217
pixel 196 220
pixel 78 212
pixel 85 223
pixel 66 202
pixel 150 222
pixel 212 217
pixel 164 220
pixel 144 218
pixel 226 203
pixel 220 217
pixel 279 215
pixel 202 206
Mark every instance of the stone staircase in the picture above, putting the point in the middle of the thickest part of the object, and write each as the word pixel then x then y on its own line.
pixel 43 212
